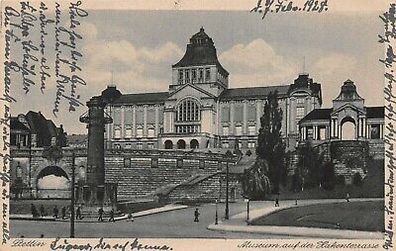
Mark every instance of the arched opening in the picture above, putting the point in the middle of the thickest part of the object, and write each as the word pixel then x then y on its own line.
pixel 348 129
pixel 181 144
pixel 53 182
pixel 168 144
pixel 194 144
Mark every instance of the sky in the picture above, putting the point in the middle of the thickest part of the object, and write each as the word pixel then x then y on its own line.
pixel 137 48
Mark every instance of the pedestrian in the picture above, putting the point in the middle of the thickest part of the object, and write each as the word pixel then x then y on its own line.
pixel 111 215
pixel 78 213
pixel 130 217
pixel 56 212
pixel 296 202
pixel 63 213
pixel 42 211
pixel 347 197
pixel 100 212
pixel 276 202
pixel 33 210
pixel 196 215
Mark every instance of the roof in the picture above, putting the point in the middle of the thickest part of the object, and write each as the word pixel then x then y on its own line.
pixel 15 124
pixel 375 112
pixel 252 92
pixel 200 51
pixel 142 98
pixel 318 114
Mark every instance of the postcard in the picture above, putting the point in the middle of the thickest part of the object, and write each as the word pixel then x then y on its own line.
pixel 197 125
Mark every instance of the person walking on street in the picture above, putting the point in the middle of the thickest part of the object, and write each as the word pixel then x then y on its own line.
pixel 347 197
pixel 63 213
pixel 111 216
pixel 100 212
pixel 196 215
pixel 130 217
pixel 42 211
pixel 78 213
pixel 56 212
pixel 33 210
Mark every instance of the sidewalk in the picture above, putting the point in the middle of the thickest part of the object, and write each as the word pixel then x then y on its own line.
pixel 237 223
pixel 166 208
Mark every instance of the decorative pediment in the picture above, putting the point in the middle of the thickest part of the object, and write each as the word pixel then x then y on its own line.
pixel 189 90
pixel 348 107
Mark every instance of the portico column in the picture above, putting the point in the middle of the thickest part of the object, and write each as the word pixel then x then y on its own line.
pixel 232 118
pixel 134 121
pixel 381 131
pixel 145 121
pixel 122 122
pixel 245 122
pixel 258 115
pixel 156 120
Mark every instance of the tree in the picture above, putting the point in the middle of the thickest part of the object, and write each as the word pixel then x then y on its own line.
pixel 270 146
pixel 255 184
pixel 357 179
pixel 310 164
pixel 329 179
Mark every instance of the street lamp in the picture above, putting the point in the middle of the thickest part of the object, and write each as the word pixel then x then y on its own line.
pixel 217 217
pixel 247 210
pixel 227 210
pixel 72 196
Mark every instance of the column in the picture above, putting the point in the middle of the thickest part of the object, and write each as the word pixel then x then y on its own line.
pixel 232 118
pixel 245 120
pixel 134 121
pixel 156 120
pixel 258 115
pixel 381 131
pixel 315 136
pixel 108 126
pixel 145 121
pixel 293 115
pixel 287 113
pixel 122 122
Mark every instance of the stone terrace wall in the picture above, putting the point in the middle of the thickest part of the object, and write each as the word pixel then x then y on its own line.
pixel 141 173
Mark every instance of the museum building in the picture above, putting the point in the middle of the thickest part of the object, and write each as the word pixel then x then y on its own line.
pixel 200 110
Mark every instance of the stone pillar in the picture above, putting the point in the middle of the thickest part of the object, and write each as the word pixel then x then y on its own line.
pixel 122 122
pixel 245 115
pixel 145 121
pixel 381 131
pixel 258 115
pixel 232 125
pixel 293 115
pixel 156 120
pixel 134 121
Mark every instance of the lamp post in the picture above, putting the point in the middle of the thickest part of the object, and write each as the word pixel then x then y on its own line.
pixel 227 210
pixel 72 196
pixel 217 217
pixel 247 210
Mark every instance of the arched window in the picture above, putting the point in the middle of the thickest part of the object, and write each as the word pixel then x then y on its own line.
pixel 188 117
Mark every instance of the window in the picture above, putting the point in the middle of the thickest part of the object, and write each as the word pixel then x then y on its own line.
pixel 128 146
pixel 139 132
pixel 322 133
pixel 128 131
pixel 299 113
pixel 252 130
pixel 194 75
pixel 188 111
pixel 151 132
pixel 225 130
pixel 127 162
pixel 139 145
pixel 238 130
pixel 200 77
pixel 201 164
pixel 207 74
pixel 180 76
pixel 375 131
pixel 300 100
pixel 187 76
pixel 150 145
pixel 154 163
pixel 225 145
pixel 251 144
pixel 309 132
pixel 117 131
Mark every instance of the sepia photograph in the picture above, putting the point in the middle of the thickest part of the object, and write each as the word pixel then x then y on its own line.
pixel 250 121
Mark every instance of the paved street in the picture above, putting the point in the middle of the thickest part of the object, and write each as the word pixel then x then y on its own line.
pixel 179 223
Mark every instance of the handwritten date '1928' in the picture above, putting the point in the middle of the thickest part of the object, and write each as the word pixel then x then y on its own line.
pixel 263 7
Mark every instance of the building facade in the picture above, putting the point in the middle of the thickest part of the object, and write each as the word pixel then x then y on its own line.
pixel 200 110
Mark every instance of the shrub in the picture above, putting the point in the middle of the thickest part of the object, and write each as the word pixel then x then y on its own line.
pixel 340 179
pixel 248 153
pixel 357 179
